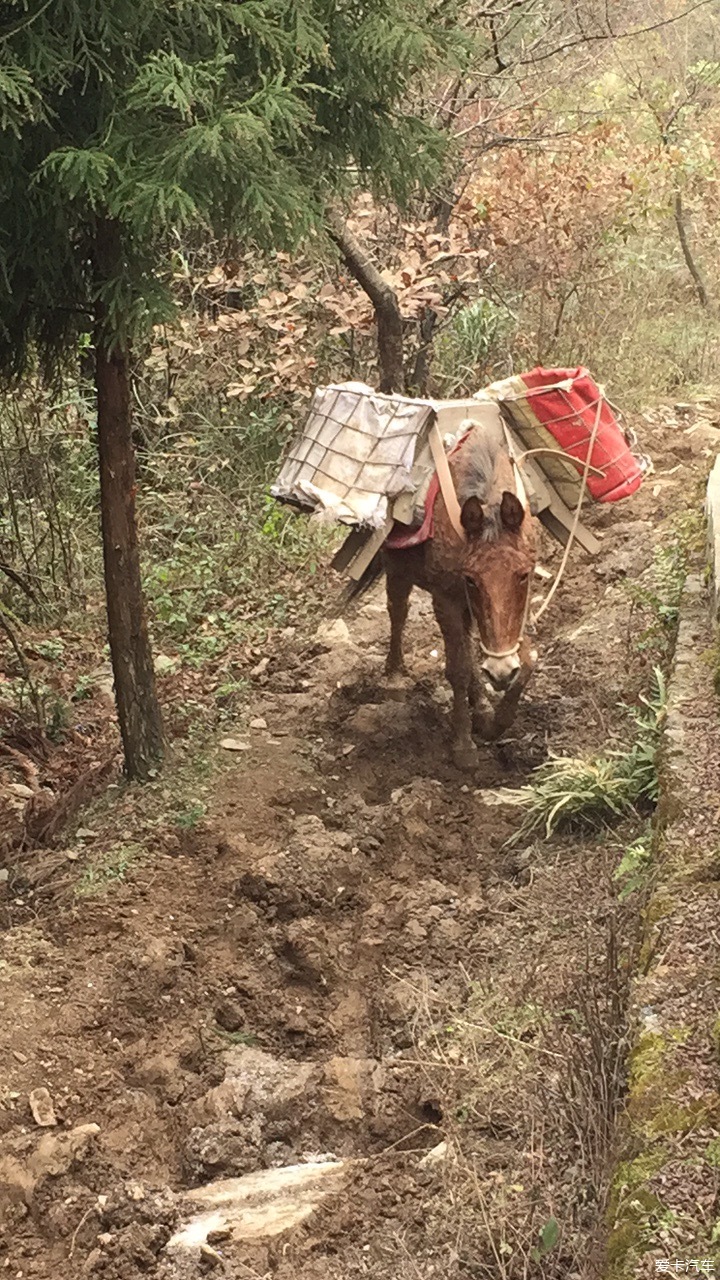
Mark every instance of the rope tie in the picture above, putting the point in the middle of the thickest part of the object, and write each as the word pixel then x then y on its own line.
pixel 576 519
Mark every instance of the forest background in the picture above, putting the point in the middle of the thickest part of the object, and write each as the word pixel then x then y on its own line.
pixel 569 216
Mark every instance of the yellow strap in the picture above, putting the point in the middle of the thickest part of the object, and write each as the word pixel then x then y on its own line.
pixel 447 487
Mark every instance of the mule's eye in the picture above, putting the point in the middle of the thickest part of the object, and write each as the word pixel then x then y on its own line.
pixel 524 579
pixel 470 582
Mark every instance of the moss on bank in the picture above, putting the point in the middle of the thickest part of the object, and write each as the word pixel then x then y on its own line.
pixel 661 1204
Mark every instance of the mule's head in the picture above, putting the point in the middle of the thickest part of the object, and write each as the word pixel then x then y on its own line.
pixel 498 562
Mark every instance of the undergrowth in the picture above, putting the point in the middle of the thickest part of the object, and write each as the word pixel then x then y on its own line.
pixel 108 869
pixel 223 565
pixel 523 1078
pixel 594 791
pixel 474 348
pixel 632 870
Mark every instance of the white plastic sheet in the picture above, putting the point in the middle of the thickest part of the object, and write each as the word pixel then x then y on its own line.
pixel 355 455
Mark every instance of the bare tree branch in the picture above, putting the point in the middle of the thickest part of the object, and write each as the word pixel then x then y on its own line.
pixel 606 36
pixel 383 297
pixel 687 251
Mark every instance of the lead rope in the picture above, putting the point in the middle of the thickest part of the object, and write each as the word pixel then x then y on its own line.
pixel 576 520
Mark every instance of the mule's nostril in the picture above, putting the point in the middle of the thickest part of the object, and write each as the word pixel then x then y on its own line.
pixel 501 681
pixel 498 682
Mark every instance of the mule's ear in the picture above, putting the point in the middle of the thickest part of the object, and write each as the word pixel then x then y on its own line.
pixel 512 511
pixel 472 516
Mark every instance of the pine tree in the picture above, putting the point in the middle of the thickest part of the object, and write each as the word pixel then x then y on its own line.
pixel 125 123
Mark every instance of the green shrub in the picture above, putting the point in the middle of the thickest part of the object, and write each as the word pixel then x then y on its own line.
pixel 589 792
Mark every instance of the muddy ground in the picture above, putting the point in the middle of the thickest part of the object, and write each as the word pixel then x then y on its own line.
pixel 344 959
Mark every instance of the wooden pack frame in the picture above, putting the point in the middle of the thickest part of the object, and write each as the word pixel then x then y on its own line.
pixel 361 545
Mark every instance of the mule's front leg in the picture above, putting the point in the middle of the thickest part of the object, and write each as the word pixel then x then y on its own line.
pixel 459 670
pixel 506 710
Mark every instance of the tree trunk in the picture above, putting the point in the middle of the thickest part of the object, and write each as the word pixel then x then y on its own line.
pixel 137 705
pixel 420 376
pixel 687 251
pixel 384 300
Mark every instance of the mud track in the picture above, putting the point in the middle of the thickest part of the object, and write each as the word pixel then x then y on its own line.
pixel 346 961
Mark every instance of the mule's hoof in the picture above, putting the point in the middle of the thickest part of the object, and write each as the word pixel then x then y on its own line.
pixel 398 686
pixel 465 756
pixel 393 671
pixel 505 717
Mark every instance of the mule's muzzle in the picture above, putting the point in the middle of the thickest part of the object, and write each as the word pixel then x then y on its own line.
pixel 501 672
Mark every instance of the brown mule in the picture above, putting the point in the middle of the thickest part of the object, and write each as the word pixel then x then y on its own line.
pixel 481 584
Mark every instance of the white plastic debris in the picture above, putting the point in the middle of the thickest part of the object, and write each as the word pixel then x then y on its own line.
pixel 258 1205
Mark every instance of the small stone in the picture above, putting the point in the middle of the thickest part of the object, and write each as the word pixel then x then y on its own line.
pixel 209 1256
pixel 351 1086
pixel 261 667
pixel 4 875
pixel 349 746
pixel 72 855
pixel 229 1015
pixel 164 664
pixel 102 1201
pixel 18 1056
pixel 41 1105
pixel 258 723
pixel 106 1237
pixel 85 833
pixel 435 1156
pixel 235 744
pixel 332 633
pixel 19 789
pixel 135 1192
pixel 221 1233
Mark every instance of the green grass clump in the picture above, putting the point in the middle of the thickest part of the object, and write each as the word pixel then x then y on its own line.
pixel 570 791
pixel 110 869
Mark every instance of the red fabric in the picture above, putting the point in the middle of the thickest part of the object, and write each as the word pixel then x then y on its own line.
pixel 569 416
pixel 403 535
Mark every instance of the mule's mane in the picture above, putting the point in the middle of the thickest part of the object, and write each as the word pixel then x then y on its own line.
pixel 482 469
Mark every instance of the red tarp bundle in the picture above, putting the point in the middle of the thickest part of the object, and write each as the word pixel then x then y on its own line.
pixel 564 407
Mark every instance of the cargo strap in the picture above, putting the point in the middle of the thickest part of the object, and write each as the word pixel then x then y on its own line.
pixel 447 486
pixel 576 519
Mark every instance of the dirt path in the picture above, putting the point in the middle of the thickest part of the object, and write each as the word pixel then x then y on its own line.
pixel 344 961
